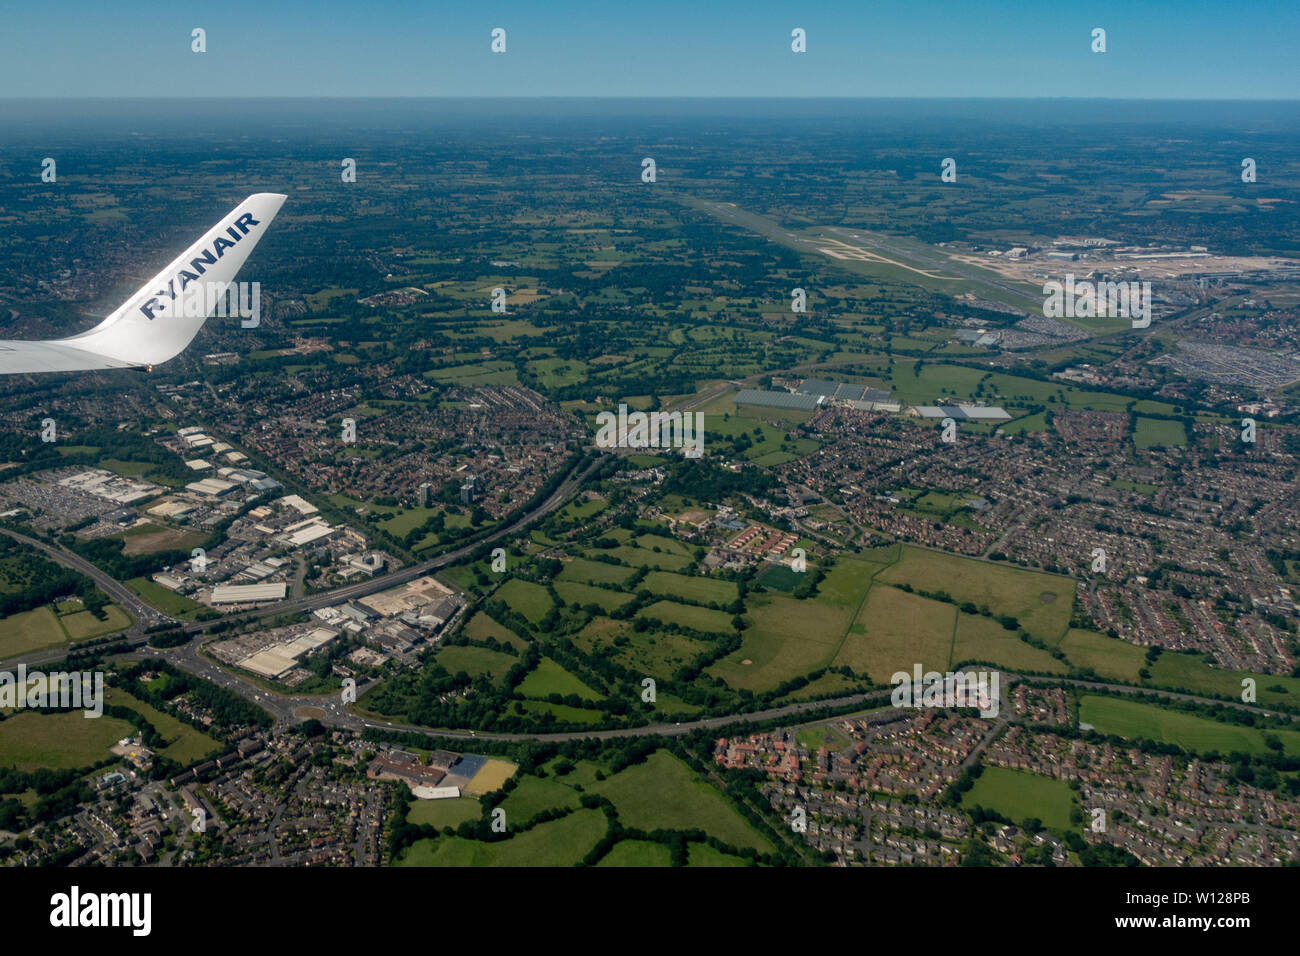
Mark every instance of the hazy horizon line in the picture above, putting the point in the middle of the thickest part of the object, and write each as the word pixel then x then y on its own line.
pixel 659 99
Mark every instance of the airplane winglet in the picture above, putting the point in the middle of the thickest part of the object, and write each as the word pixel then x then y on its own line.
pixel 160 319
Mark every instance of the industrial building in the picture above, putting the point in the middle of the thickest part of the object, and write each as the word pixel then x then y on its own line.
pixel 249 593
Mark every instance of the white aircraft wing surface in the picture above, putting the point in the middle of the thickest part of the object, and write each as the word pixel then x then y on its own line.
pixel 162 318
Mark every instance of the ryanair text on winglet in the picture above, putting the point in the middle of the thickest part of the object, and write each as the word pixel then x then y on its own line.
pixel 198 263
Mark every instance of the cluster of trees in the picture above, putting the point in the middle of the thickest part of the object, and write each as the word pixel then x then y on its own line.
pixel 227 708
pixel 39 581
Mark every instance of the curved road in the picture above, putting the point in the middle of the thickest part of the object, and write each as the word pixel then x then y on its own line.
pixel 144 614
pixel 337 714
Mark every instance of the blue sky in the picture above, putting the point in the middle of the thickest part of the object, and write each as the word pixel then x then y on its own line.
pixel 660 48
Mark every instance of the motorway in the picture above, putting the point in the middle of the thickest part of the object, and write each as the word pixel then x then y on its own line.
pixel 145 615
pixel 119 592
pixel 336 713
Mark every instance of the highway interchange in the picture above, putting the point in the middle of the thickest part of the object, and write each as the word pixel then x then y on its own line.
pixel 332 711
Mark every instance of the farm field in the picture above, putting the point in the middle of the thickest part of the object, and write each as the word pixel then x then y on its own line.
pixel 584 594
pixel 82 625
pixel 30 631
pixel 480 627
pixel 1131 719
pixel 526 598
pixel 1041 602
pixel 639 557
pixel 444 813
pixel 475 661
pixel 561 712
pixel 663 792
pixel 656 653
pixel 787 637
pixel 896 630
pixel 1105 655
pixel 1189 672
pixel 637 853
pixel 701 854
pixel 562 842
pixel 62 741
pixel 696 618
pixel 594 572
pixel 532 795
pixel 691 588
pixel 550 678
pixel 982 639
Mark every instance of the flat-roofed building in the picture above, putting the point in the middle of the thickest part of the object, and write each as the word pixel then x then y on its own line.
pixel 435 793
pixel 298 504
pixel 959 412
pixel 312 532
pixel 773 399
pixel 211 487
pixel 249 593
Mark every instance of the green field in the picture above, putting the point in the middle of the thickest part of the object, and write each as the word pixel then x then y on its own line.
pixel 664 793
pixel 646 558
pixel 985 640
pixel 480 627
pixel 895 631
pixel 184 744
pixel 562 712
pixel 562 842
pixel 444 813
pixel 63 741
pixel 637 853
pixel 584 594
pixel 696 618
pixel 787 637
pixel 1108 656
pixel 1189 672
pixel 656 653
pixel 1159 433
pixel 82 625
pixel 550 678
pixel 701 854
pixel 475 661
pixel 526 598
pixel 533 795
pixel 1132 719
pixel 30 631
pixel 1019 796
pixel 780 578
pixel 691 588
pixel 594 572
pixel 1041 602
pixel 169 602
